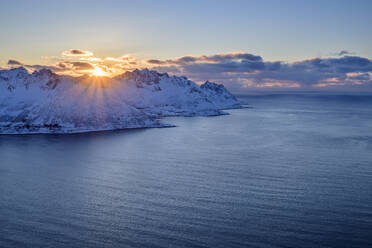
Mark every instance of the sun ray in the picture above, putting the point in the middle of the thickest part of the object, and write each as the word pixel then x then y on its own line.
pixel 98 72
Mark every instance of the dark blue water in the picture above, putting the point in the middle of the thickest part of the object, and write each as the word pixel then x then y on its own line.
pixel 292 171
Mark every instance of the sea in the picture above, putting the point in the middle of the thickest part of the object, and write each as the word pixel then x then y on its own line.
pixel 288 170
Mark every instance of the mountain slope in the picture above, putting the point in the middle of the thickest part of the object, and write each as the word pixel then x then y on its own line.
pixel 44 102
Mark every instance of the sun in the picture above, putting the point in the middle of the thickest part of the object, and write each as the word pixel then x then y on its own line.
pixel 98 72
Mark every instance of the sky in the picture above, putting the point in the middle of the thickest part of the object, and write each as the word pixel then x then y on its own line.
pixel 303 45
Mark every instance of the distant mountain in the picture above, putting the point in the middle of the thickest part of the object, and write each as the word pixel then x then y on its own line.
pixel 44 102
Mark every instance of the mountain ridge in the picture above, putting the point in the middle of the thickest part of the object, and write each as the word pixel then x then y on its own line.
pixel 46 102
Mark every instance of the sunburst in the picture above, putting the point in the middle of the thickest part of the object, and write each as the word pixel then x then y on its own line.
pixel 98 72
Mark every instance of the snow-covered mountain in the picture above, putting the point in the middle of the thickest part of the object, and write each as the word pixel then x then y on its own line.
pixel 44 102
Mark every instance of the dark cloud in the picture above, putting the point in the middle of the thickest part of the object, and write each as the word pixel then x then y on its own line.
pixel 77 52
pixel 72 65
pixel 81 65
pixel 156 62
pixel 344 52
pixel 243 66
pixel 342 65
pixel 62 65
pixel 249 70
pixel 218 58
pixel 234 56
pixel 14 62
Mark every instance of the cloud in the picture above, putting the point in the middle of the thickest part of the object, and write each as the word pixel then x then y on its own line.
pixel 343 52
pixel 243 70
pixel 14 62
pixel 217 58
pixel 156 62
pixel 77 53
pixel 238 71
pixel 40 67
pixel 112 65
pixel 75 65
pixel 82 66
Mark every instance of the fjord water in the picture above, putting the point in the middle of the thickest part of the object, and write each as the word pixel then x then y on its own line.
pixel 291 171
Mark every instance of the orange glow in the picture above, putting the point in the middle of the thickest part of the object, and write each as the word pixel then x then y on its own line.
pixel 98 72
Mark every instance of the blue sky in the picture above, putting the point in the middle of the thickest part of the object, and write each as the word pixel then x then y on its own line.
pixel 287 31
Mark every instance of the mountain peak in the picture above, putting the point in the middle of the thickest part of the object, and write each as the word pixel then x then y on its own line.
pixel 19 70
pixel 44 72
pixel 141 76
pixel 211 85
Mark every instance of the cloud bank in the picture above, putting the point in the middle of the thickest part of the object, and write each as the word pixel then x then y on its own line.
pixel 238 71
